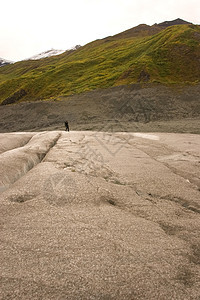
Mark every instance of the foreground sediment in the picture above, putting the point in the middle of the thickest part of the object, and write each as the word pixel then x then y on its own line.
pixel 100 215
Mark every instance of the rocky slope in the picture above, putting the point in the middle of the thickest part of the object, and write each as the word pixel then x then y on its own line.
pixel 124 108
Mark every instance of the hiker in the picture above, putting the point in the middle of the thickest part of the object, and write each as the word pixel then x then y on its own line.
pixel 67 126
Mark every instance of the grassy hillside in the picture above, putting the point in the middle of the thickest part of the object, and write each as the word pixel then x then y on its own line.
pixel 169 56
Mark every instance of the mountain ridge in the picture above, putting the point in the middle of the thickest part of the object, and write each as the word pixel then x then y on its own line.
pixel 145 30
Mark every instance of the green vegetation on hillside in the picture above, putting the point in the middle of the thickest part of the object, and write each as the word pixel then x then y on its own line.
pixel 170 56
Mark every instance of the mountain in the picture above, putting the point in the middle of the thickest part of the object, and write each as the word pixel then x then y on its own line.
pixel 4 62
pixel 165 53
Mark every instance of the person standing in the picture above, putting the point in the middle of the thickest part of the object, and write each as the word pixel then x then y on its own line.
pixel 66 126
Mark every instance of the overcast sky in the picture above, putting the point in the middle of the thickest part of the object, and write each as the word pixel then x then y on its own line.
pixel 29 27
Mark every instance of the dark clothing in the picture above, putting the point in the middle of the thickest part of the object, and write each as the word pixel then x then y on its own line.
pixel 67 126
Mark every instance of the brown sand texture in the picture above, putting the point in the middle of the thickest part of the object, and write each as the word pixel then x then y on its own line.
pixel 98 215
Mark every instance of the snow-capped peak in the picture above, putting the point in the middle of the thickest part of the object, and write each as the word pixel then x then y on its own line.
pixel 4 62
pixel 47 53
pixel 51 52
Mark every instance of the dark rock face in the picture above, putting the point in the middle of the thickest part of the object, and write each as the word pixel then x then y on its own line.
pixel 15 97
pixel 3 63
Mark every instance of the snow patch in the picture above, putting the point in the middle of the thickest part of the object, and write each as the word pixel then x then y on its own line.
pixel 52 52
pixel 47 53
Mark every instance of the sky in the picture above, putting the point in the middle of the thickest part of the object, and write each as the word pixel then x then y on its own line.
pixel 29 27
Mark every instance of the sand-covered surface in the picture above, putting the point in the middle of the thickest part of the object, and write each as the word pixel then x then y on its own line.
pixel 97 215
